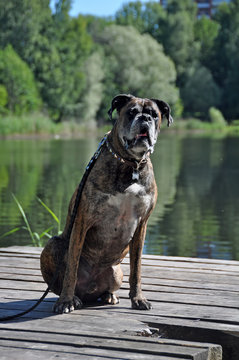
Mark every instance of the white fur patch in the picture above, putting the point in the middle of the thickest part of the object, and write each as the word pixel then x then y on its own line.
pixel 133 197
pixel 135 189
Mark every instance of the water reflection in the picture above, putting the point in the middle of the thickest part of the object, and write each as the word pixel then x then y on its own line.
pixel 198 201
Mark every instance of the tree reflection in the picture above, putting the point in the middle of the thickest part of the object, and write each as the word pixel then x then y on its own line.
pixel 198 193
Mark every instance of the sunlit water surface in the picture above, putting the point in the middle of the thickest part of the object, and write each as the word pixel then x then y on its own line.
pixel 197 213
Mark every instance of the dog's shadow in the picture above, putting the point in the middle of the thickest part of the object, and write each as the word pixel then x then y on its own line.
pixel 42 311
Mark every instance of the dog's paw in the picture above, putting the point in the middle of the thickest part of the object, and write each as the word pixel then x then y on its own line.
pixel 61 307
pixel 109 298
pixel 140 303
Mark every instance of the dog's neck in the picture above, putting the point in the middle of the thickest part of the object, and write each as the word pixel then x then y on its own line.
pixel 123 157
pixel 119 149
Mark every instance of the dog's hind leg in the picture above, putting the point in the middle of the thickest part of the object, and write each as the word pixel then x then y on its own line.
pixel 109 298
pixel 115 282
pixel 111 279
pixel 53 260
pixel 102 287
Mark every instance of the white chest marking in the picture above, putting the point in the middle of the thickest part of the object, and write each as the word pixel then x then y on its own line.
pixel 133 197
pixel 135 189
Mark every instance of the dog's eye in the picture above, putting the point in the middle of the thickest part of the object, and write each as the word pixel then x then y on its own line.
pixel 151 112
pixel 154 114
pixel 132 113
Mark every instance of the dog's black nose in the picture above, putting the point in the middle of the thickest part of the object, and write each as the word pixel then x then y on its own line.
pixel 145 117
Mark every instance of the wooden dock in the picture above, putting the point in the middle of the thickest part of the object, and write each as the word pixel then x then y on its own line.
pixel 195 313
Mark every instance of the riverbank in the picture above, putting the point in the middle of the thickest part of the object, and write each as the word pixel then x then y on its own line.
pixel 39 125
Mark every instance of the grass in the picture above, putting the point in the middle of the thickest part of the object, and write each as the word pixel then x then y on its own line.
pixel 27 124
pixel 206 127
pixel 39 124
pixel 36 238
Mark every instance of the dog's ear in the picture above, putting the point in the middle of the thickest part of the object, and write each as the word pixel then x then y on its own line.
pixel 165 110
pixel 118 102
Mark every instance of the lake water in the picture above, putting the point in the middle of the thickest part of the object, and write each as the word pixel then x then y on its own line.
pixel 197 213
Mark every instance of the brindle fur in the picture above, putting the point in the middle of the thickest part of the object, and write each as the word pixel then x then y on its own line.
pixel 111 220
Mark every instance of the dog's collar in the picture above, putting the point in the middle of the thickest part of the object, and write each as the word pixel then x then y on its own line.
pixel 136 165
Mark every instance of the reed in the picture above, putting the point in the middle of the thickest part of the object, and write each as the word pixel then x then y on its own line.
pixel 36 238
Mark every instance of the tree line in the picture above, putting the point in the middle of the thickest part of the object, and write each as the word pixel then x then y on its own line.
pixel 71 67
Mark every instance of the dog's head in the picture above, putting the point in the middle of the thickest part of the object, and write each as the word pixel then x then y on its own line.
pixel 138 122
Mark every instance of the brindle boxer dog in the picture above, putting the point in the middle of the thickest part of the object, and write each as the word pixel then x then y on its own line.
pixel 118 197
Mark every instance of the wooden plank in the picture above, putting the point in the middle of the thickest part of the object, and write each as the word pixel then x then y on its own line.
pixel 228 268
pixel 26 351
pixel 225 301
pixel 23 271
pixel 191 284
pixel 158 262
pixel 126 323
pixel 148 260
pixel 190 259
pixel 228 299
pixel 199 314
pixel 190 288
pixel 38 250
pixel 129 344
pixel 193 299
pixel 150 272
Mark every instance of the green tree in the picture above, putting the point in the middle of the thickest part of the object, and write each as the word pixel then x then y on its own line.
pixel 200 92
pixel 28 26
pixel 3 99
pixel 59 62
pixel 206 31
pixel 136 64
pixel 55 46
pixel 178 38
pixel 225 61
pixel 19 82
pixel 93 92
pixel 74 45
pixel 147 17
pixel 21 24
pixel 131 14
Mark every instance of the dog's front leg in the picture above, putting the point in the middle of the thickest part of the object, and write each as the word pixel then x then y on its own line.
pixel 136 246
pixel 67 301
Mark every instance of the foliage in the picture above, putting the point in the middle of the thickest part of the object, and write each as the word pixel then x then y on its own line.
pixel 200 92
pixel 130 69
pixel 216 117
pixel 18 81
pixel 145 17
pixel 178 38
pixel 40 124
pixel 34 123
pixel 3 99
pixel 225 66
pixel 36 238
pixel 72 67
pixel 206 30
pixel 22 23
pixel 73 47
pixel 93 91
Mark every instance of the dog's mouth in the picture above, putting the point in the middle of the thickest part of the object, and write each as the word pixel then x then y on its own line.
pixel 139 138
pixel 143 135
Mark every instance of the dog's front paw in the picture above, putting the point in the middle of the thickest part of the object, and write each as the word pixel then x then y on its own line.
pixel 140 303
pixel 62 306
